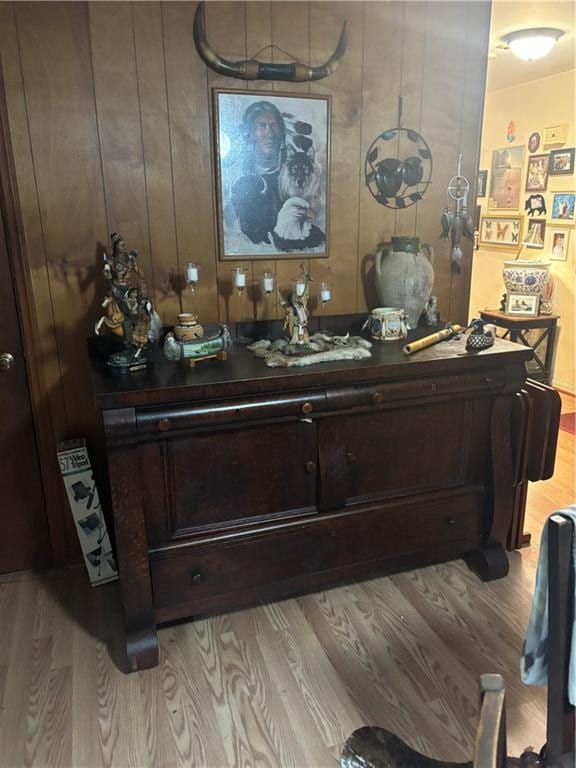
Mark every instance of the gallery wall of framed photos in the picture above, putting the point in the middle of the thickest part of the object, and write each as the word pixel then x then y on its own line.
pixel 528 209
pixel 524 189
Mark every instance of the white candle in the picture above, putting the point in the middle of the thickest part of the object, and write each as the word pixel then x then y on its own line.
pixel 240 279
pixel 191 273
pixel 268 283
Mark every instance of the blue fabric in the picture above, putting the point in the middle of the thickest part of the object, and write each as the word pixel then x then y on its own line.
pixel 534 661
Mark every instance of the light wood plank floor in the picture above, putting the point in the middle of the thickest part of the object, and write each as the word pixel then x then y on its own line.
pixel 277 685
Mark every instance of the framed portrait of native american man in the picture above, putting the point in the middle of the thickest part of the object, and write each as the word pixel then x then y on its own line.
pixel 272 160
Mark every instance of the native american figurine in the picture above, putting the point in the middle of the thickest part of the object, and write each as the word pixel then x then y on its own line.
pixel 296 310
pixel 128 310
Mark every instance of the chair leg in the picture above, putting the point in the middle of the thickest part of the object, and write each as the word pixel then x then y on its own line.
pixel 561 714
pixel 491 747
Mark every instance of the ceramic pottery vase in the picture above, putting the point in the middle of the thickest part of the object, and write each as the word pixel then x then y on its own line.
pixel 529 277
pixel 404 275
pixel 188 328
pixel 387 324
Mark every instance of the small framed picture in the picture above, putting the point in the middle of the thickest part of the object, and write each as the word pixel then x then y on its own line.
pixel 561 161
pixel 522 304
pixel 555 135
pixel 537 175
pixel 534 238
pixel 481 184
pixel 563 206
pixel 558 240
pixel 506 178
pixel 535 205
pixel 534 142
pixel 501 231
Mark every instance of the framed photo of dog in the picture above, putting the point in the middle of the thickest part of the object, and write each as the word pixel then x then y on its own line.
pixel 272 163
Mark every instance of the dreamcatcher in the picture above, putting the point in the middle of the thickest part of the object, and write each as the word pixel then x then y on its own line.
pixel 458 222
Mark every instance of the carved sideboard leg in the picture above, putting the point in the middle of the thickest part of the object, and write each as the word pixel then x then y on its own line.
pixel 491 561
pixel 141 648
pixel 131 540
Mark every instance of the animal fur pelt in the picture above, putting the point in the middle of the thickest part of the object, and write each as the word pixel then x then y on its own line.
pixel 321 349
pixel 374 746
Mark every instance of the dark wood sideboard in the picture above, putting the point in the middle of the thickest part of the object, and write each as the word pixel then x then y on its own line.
pixel 233 483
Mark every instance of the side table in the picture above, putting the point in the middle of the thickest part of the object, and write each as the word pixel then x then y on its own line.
pixel 516 329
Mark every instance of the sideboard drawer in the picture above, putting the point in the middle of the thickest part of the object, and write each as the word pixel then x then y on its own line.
pixel 427 386
pixel 162 421
pixel 293 550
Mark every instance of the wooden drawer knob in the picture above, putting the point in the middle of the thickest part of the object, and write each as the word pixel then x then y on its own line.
pixel 307 408
pixel 164 425
pixel 451 522
pixel 378 397
pixel 197 577
pixel 310 467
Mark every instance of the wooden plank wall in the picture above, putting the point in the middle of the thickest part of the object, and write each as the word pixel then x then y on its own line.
pixel 108 109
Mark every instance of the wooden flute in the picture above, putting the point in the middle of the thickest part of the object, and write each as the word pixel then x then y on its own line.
pixel 434 338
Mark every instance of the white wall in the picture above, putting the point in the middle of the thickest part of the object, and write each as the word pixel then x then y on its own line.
pixel 532 106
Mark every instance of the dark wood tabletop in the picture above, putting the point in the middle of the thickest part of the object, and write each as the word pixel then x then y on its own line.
pixel 243 372
pixel 517 321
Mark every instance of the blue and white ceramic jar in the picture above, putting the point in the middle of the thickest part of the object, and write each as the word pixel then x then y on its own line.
pixel 526 276
pixel 529 277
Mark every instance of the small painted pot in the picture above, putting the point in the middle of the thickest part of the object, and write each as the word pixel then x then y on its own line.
pixel 188 328
pixel 387 324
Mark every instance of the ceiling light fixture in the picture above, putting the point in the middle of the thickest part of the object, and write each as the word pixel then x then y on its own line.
pixel 532 44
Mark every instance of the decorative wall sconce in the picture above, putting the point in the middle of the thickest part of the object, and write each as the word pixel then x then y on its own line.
pixel 239 279
pixel 191 274
pixel 325 293
pixel 299 285
pixel 532 44
pixel 267 283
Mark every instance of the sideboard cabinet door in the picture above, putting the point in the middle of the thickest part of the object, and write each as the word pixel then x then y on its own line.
pixel 391 453
pixel 228 478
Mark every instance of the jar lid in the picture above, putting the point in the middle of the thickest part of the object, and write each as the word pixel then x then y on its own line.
pixel 187 318
pixel 527 263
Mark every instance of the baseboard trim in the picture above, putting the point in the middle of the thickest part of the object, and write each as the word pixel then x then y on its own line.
pixel 566 389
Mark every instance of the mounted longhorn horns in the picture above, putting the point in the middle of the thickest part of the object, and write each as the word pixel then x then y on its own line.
pixel 257 70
